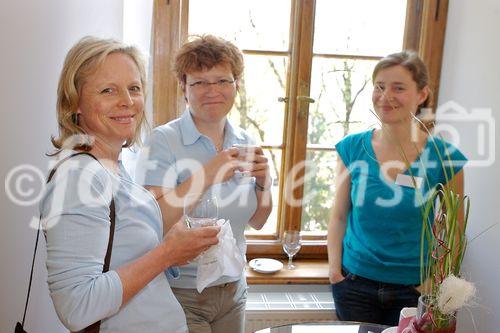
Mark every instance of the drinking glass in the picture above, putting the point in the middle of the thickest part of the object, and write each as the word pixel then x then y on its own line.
pixel 430 319
pixel 200 210
pixel 291 245
pixel 247 154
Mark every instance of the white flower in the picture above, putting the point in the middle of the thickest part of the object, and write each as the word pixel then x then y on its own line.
pixel 454 293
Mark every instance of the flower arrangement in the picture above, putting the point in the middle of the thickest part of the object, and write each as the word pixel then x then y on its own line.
pixel 442 248
pixel 443 245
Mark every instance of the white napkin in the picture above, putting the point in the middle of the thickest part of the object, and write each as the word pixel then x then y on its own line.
pixel 223 259
pixel 406 317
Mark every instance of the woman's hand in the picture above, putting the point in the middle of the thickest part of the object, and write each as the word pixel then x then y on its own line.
pixel 179 246
pixel 335 276
pixel 424 287
pixel 221 168
pixel 183 244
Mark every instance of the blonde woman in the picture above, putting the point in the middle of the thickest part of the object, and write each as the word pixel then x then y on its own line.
pixel 100 109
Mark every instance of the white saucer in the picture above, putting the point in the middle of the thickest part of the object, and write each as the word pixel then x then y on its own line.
pixel 265 265
pixel 390 330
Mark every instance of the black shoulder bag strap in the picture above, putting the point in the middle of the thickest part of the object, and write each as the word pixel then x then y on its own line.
pixel 94 328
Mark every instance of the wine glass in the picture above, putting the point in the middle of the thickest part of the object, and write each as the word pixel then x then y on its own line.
pixel 200 210
pixel 291 245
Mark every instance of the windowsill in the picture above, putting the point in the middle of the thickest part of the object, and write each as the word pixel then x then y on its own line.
pixel 307 271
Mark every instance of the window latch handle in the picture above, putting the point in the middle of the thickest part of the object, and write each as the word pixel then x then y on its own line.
pixel 306 99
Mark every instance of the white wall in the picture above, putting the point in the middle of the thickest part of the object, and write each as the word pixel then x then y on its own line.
pixel 471 77
pixel 137 19
pixel 34 37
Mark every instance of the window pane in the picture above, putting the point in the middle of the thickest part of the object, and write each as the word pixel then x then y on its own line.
pixel 342 89
pixel 319 190
pixel 361 27
pixel 257 108
pixel 270 228
pixel 254 25
pixel 258 111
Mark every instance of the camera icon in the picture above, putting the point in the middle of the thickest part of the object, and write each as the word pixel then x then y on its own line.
pixel 473 131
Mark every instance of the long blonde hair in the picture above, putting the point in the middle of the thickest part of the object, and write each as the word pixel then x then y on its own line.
pixel 83 59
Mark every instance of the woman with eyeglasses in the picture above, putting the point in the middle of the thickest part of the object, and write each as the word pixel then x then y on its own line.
pixel 196 154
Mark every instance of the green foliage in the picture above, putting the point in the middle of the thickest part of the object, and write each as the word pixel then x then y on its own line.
pixel 317 193
pixel 319 189
pixel 443 241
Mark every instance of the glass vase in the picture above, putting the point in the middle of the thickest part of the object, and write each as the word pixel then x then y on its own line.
pixel 430 320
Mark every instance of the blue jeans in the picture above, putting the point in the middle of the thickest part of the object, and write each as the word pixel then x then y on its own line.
pixel 360 299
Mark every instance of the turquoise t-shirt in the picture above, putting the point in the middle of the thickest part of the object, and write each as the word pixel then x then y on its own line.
pixel 382 239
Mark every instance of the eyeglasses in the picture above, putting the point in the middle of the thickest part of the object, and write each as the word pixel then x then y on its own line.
pixel 205 85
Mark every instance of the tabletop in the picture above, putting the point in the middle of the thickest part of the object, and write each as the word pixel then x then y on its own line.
pixel 334 327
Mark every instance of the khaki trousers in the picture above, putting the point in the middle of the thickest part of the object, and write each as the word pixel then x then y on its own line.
pixel 218 309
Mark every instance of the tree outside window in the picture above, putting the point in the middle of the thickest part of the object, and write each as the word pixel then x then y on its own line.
pixel 307 84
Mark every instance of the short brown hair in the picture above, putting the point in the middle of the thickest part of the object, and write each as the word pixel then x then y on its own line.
pixel 412 62
pixel 203 53
pixel 83 59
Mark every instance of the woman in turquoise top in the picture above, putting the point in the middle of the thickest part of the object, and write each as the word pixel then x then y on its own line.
pixel 100 108
pixel 374 232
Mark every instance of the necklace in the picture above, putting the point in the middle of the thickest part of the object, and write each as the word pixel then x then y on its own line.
pixel 218 147
pixel 217 141
pixel 219 144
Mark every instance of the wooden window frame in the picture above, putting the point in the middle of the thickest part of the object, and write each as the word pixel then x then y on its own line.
pixel 424 33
